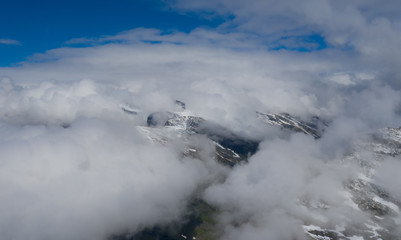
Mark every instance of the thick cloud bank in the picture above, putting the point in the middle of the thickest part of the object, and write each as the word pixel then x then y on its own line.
pixel 73 169
pixel 73 165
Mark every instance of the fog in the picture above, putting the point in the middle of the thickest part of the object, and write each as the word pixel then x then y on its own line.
pixel 74 165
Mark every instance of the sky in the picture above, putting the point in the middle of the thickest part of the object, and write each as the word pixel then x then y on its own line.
pixel 34 27
pixel 73 165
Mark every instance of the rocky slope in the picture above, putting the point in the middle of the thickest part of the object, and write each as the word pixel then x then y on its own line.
pixel 365 196
pixel 285 120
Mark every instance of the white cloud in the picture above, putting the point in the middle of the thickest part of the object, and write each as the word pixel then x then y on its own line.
pixel 99 176
pixel 344 79
pixel 74 166
pixel 388 177
pixel 9 42
pixel 368 28
pixel 265 194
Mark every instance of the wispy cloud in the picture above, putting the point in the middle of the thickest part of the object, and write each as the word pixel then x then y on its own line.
pixel 9 41
pixel 80 41
pixel 368 27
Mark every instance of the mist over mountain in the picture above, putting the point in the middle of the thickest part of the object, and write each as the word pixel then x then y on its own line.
pixel 275 135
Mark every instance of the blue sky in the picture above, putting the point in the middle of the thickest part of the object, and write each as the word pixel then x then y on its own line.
pixel 29 27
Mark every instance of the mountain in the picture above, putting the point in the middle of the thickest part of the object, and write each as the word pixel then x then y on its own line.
pixel 231 148
pixel 365 196
pixel 285 120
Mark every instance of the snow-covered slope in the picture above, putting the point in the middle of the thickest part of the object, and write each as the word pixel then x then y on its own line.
pixel 285 120
pixel 365 196
pixel 230 147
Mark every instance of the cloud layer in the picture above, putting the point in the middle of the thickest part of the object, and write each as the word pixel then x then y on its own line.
pixel 73 165
pixel 73 169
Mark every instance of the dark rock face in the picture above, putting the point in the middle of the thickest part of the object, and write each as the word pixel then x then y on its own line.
pixel 128 109
pixel 180 104
pixel 160 118
pixel 314 127
pixel 230 147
